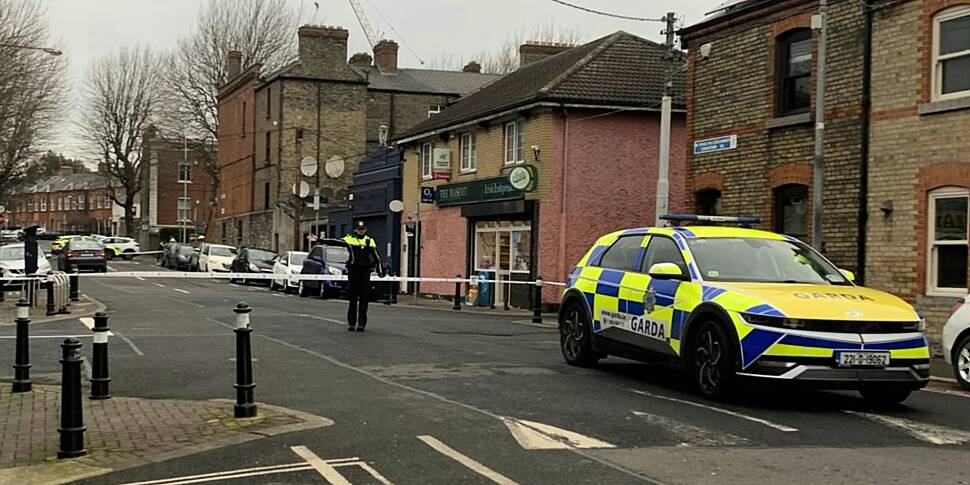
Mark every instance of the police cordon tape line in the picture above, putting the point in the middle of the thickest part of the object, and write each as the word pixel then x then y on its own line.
pixel 268 276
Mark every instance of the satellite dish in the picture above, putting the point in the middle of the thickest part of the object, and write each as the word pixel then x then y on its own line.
pixel 396 206
pixel 302 189
pixel 308 166
pixel 334 167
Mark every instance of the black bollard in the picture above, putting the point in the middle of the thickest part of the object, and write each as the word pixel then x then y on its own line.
pixel 21 366
pixel 3 283
pixel 245 405
pixel 537 301
pixel 50 298
pixel 457 294
pixel 72 421
pixel 74 296
pixel 99 364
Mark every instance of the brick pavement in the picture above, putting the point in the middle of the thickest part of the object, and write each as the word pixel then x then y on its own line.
pixel 124 432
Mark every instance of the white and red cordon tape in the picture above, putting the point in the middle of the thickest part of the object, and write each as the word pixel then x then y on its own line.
pixel 291 277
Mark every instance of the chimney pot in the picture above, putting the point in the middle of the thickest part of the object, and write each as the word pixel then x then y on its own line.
pixel 235 63
pixel 361 59
pixel 534 51
pixel 65 170
pixel 385 56
pixel 472 67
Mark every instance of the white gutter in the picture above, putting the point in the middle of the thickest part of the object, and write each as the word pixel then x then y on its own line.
pixel 507 112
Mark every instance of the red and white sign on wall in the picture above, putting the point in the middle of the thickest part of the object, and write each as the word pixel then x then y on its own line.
pixel 441 164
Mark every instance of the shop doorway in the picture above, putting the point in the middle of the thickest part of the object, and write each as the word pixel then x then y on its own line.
pixel 503 252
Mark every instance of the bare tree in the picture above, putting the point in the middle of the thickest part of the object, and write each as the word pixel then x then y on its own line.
pixel 263 30
pixel 32 88
pixel 122 94
pixel 505 59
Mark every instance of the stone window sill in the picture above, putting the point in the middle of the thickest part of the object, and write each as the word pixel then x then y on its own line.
pixel 786 121
pixel 944 106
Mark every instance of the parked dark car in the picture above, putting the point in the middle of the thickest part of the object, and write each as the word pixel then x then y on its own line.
pixel 330 257
pixel 253 260
pixel 180 257
pixel 83 254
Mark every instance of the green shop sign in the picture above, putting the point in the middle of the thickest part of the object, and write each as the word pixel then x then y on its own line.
pixel 477 191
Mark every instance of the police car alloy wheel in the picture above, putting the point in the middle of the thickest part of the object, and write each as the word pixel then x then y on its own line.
pixel 574 336
pixel 712 360
pixel 961 362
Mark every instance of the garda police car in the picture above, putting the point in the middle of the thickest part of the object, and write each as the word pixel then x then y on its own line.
pixel 732 303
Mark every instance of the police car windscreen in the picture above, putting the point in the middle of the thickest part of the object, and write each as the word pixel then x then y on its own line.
pixel 762 260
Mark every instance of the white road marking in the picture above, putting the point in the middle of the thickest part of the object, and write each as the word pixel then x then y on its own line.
pixel 159 285
pixel 468 462
pixel 779 427
pixel 131 344
pixel 110 268
pixel 139 278
pixel 241 473
pixel 538 436
pixel 89 322
pixel 182 291
pixel 367 468
pixel 690 434
pixel 328 472
pixel 930 433
pixel 958 393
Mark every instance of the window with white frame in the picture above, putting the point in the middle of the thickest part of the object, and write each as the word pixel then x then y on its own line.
pixel 513 143
pixel 951 53
pixel 30 205
pixel 184 208
pixel 185 172
pixel 947 268
pixel 426 160
pixel 43 204
pixel 435 109
pixel 469 156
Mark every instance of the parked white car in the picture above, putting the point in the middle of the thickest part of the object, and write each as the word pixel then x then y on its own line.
pixel 956 341
pixel 285 266
pixel 12 260
pixel 216 257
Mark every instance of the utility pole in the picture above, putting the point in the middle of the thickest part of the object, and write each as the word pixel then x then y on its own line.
pixel 663 183
pixel 818 163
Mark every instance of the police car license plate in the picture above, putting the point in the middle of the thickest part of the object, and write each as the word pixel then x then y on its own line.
pixel 862 359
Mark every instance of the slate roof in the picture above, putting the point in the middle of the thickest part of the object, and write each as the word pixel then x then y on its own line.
pixel 60 183
pixel 617 70
pixel 406 80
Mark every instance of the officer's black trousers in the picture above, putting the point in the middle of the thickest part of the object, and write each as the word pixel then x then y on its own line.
pixel 358 290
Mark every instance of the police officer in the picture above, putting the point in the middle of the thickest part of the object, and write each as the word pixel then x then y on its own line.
pixel 364 258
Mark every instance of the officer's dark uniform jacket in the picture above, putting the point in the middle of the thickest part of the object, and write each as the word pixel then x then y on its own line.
pixel 363 258
pixel 363 252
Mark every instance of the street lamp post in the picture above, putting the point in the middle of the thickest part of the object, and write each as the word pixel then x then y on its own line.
pixel 48 50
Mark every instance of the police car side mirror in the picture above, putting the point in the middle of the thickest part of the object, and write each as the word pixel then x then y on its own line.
pixel 848 274
pixel 667 271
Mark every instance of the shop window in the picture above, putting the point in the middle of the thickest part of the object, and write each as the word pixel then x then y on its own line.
pixel 503 246
pixel 794 72
pixel 469 156
pixel 426 160
pixel 951 53
pixel 708 202
pixel 622 254
pixel 791 210
pixel 948 241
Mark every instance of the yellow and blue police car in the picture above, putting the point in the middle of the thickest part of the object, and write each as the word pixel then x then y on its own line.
pixel 731 304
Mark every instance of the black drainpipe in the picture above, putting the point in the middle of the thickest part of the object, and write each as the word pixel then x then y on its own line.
pixel 864 155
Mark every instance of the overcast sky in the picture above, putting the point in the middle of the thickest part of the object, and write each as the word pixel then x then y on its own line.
pixel 88 29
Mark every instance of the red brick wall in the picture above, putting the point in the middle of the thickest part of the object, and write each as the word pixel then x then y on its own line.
pixel 236 139
pixel 925 45
pixel 444 236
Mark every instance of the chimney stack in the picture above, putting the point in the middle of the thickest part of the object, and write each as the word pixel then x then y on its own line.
pixel 534 51
pixel 360 59
pixel 472 66
pixel 235 63
pixel 322 49
pixel 102 167
pixel 65 170
pixel 385 56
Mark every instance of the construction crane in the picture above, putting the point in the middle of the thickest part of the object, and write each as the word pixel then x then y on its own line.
pixel 372 36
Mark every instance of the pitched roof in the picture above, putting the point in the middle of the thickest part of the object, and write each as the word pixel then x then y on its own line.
pixel 59 183
pixel 620 70
pixel 424 80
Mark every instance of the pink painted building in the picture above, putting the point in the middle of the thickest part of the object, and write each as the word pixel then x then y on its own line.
pixel 520 177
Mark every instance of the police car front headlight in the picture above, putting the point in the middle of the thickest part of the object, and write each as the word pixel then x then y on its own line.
pixel 768 321
pixel 919 326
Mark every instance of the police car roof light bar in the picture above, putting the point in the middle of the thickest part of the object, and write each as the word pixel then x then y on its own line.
pixel 677 218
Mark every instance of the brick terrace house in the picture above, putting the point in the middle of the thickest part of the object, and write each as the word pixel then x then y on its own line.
pixel 751 75
pixel 67 202
pixel 919 153
pixel 176 189
pixel 318 106
pixel 587 118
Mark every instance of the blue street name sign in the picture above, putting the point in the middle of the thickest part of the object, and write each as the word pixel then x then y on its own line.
pixel 718 144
